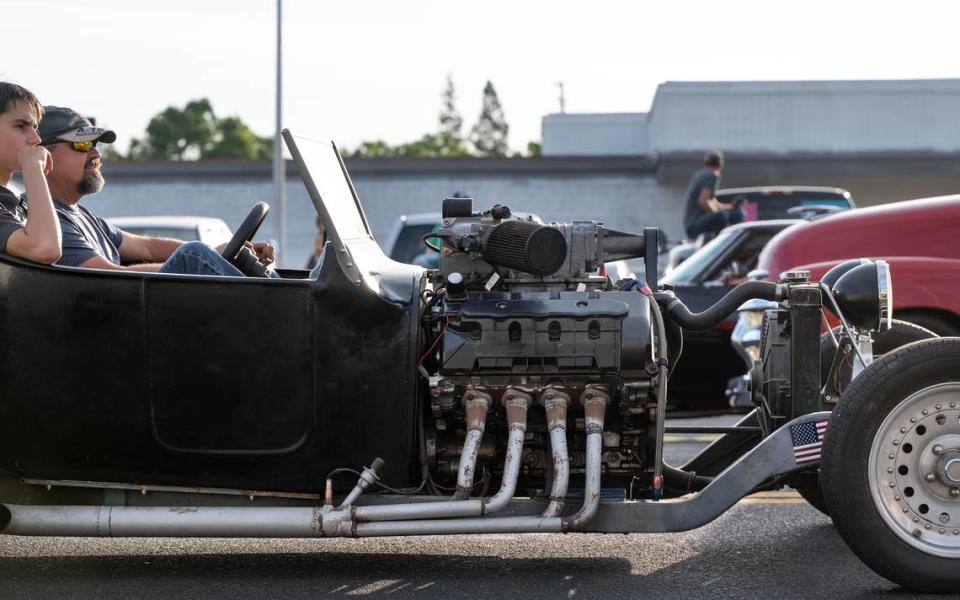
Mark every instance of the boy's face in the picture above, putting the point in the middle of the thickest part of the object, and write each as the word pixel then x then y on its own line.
pixel 18 128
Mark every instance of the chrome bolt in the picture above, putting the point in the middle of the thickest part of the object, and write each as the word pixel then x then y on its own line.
pixel 953 405
pixel 913 419
pixel 925 411
pixel 892 456
pixel 893 484
pixel 930 477
pixel 943 531
pixel 928 526
pixel 896 442
pixel 938 450
pixel 890 470
pixel 897 497
pixel 916 519
pixel 955 492
pixel 939 406
pixel 906 509
pixel 944 518
pixel 917 533
pixel 903 430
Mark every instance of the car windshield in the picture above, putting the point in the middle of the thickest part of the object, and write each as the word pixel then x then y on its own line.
pixel 700 259
pixel 332 185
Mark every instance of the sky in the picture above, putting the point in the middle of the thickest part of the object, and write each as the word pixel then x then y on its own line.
pixel 375 69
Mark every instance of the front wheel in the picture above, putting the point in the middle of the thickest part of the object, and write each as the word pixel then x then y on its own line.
pixel 900 334
pixel 891 466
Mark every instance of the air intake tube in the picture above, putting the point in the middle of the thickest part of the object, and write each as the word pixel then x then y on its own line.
pixel 528 247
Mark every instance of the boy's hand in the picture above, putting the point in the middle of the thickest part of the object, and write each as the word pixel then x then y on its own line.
pixel 35 155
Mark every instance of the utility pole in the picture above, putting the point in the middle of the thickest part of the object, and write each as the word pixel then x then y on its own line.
pixel 563 100
pixel 279 167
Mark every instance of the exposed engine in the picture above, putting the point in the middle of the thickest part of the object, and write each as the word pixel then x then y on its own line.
pixel 522 309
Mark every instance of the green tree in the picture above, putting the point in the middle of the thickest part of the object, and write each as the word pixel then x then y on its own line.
pixel 489 133
pixel 195 132
pixel 450 120
pixel 534 149
pixel 235 140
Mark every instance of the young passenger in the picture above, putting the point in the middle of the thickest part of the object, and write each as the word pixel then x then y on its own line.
pixel 37 238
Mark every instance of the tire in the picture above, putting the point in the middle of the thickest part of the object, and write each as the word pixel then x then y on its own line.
pixel 904 405
pixel 900 334
pixel 934 324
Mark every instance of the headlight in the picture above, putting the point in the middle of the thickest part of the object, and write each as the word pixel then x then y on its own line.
pixel 753 318
pixel 751 312
pixel 865 295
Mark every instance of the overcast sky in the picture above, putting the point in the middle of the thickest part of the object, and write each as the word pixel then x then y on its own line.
pixel 362 70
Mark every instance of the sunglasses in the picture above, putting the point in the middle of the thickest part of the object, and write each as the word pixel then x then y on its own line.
pixel 77 146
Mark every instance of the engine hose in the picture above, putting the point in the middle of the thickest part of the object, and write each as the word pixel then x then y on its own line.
pixel 748 290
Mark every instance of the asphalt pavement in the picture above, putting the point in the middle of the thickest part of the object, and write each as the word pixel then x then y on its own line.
pixel 771 545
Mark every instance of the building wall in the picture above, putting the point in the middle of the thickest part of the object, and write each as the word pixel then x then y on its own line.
pixel 626 193
pixel 624 197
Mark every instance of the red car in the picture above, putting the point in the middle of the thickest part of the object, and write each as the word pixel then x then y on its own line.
pixel 920 239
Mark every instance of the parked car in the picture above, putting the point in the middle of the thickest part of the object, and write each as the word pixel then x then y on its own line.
pixel 211 231
pixel 770 203
pixel 918 239
pixel 709 361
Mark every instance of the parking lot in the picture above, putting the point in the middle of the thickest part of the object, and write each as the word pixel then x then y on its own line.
pixel 772 545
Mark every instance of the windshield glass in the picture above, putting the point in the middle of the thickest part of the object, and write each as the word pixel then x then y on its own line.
pixel 320 159
pixel 700 259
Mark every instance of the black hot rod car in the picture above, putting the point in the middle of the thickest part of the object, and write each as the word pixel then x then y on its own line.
pixel 513 389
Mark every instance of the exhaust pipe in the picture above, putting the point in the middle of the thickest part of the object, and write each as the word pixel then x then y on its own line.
pixel 516 402
pixel 132 521
pixel 556 403
pixel 595 402
pixel 164 521
pixel 477 404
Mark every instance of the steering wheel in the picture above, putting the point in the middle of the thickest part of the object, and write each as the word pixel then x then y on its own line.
pixel 245 232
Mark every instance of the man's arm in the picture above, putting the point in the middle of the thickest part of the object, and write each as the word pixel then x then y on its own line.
pixel 707 200
pixel 146 249
pixel 99 262
pixel 39 240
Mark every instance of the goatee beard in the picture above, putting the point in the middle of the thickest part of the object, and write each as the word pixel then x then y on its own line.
pixel 91 183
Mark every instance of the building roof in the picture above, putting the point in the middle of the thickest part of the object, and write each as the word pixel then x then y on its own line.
pixel 771 117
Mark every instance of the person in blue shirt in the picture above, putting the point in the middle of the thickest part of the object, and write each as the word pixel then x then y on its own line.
pixel 90 241
pixel 704 213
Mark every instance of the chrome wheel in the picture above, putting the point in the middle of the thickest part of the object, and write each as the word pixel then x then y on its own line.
pixel 914 470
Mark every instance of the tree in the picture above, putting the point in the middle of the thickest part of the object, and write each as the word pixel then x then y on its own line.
pixel 235 140
pixel 489 133
pixel 195 132
pixel 450 119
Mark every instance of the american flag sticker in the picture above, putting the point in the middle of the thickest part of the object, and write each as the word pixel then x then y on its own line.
pixel 808 440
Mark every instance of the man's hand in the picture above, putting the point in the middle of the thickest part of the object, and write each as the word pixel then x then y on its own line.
pixel 35 155
pixel 264 251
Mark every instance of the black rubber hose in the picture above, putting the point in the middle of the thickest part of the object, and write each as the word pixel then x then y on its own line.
pixel 748 290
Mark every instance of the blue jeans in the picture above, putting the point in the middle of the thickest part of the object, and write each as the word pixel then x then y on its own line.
pixel 197 258
pixel 713 221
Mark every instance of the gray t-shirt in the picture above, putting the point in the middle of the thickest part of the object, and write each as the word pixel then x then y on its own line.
pixel 704 178
pixel 85 235
pixel 13 215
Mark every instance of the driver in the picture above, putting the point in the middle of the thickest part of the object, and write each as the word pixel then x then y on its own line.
pixel 91 242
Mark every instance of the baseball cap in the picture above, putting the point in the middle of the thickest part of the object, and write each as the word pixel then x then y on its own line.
pixel 59 123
